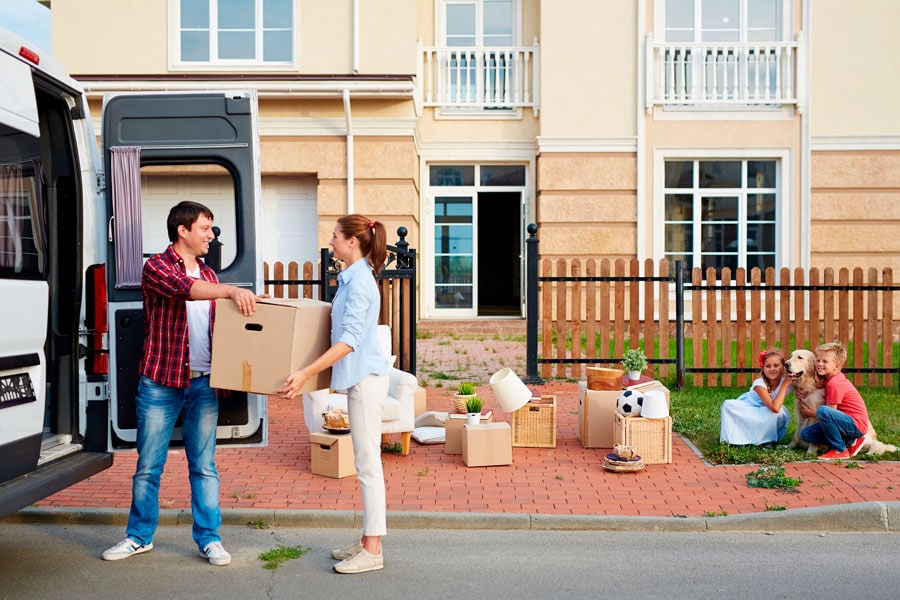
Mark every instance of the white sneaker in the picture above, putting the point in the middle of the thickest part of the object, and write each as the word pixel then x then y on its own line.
pixel 215 553
pixel 124 549
pixel 361 562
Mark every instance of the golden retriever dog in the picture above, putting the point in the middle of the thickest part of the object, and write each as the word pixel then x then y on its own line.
pixel 801 368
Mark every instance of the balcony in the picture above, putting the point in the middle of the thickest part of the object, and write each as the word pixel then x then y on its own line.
pixel 723 76
pixel 478 80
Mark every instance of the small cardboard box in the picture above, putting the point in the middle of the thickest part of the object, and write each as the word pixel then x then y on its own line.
pixel 256 353
pixel 596 416
pixel 419 401
pixel 331 455
pixel 453 427
pixel 487 445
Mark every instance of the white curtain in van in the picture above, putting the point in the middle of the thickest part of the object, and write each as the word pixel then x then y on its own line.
pixel 126 192
pixel 12 213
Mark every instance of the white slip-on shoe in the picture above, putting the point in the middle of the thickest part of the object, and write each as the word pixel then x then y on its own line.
pixel 361 562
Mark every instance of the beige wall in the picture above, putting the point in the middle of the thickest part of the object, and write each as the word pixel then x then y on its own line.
pixel 588 61
pixel 855 60
pixel 855 208
pixel 129 36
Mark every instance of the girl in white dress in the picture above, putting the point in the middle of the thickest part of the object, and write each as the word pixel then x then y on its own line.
pixel 758 416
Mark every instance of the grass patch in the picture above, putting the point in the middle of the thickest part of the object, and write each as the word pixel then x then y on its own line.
pixel 280 554
pixel 772 478
pixel 696 416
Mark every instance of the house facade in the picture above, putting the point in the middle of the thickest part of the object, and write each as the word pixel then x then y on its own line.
pixel 721 132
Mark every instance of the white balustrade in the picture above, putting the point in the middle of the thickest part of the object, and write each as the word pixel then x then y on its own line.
pixel 479 78
pixel 721 75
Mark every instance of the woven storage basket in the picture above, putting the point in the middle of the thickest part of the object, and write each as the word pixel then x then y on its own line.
pixel 534 425
pixel 651 438
pixel 459 402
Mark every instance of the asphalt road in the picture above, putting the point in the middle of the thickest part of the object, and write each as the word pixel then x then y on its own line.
pixel 61 561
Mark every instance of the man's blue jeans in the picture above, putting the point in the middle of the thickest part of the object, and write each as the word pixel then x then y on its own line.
pixel 835 428
pixel 158 407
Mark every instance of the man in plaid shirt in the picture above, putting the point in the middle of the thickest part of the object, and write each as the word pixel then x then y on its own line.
pixel 179 292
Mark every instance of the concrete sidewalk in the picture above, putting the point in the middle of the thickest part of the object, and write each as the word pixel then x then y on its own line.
pixel 560 488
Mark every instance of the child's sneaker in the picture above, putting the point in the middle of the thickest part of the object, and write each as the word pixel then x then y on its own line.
pixel 216 555
pixel 835 455
pixel 124 549
pixel 856 446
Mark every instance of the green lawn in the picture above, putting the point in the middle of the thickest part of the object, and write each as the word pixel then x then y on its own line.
pixel 695 415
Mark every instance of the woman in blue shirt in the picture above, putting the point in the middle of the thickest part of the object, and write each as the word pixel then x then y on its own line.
pixel 359 366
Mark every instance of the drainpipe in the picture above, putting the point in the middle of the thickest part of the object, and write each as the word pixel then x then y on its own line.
pixel 347 115
pixel 356 37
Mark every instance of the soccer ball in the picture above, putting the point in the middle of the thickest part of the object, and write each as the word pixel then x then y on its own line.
pixel 629 403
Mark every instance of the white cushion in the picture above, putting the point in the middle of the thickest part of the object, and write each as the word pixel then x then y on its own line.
pixel 429 435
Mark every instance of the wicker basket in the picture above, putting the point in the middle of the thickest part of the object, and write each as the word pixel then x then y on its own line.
pixel 459 401
pixel 534 425
pixel 651 438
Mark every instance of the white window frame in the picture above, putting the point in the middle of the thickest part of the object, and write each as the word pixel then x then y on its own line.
pixel 216 64
pixel 659 20
pixel 783 199
pixel 454 113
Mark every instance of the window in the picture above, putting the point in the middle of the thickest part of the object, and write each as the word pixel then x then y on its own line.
pixel 23 223
pixel 726 50
pixel 474 74
pixel 235 32
pixel 721 213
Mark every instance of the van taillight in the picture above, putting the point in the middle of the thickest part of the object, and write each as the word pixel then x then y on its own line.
pixel 95 321
pixel 29 55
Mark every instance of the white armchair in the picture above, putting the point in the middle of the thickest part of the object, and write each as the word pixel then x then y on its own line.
pixel 398 415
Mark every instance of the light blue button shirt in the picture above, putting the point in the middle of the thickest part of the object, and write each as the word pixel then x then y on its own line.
pixel 354 319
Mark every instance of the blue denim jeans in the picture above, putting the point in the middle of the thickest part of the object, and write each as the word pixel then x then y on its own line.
pixel 835 428
pixel 158 407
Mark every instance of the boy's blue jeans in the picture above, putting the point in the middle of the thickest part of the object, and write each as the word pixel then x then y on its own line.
pixel 834 428
pixel 158 407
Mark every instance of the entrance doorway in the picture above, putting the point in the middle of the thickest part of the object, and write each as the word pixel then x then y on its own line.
pixel 499 254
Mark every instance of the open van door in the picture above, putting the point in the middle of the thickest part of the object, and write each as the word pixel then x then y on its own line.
pixel 170 147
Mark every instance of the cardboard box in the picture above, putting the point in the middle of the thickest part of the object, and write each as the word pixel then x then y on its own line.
pixel 453 427
pixel 420 401
pixel 255 354
pixel 487 445
pixel 596 416
pixel 331 455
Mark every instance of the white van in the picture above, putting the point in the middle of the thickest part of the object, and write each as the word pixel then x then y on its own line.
pixel 72 244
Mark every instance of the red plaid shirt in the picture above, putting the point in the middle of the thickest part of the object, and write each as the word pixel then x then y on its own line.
pixel 166 287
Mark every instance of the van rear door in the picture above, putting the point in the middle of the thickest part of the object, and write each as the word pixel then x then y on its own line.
pixel 187 146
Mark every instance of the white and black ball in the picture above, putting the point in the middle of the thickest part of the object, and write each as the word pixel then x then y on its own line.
pixel 629 403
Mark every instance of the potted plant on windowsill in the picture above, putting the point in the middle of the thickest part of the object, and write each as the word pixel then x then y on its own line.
pixel 634 362
pixel 473 410
pixel 465 391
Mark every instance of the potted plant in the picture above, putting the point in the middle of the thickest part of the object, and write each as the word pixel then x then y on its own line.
pixel 634 362
pixel 465 391
pixel 473 410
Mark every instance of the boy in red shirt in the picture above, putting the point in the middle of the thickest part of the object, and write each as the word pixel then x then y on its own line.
pixel 843 419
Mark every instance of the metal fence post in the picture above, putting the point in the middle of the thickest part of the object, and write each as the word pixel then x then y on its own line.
pixel 531 306
pixel 679 323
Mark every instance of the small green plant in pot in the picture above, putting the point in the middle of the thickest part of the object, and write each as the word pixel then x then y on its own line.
pixel 634 362
pixel 465 391
pixel 473 410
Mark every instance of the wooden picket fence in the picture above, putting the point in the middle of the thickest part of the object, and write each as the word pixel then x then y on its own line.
pixel 586 307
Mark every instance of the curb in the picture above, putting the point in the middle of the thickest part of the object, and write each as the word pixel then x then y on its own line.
pixel 881 517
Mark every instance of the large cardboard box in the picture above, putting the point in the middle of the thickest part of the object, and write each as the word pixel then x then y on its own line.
pixel 596 416
pixel 487 445
pixel 453 427
pixel 331 455
pixel 420 401
pixel 256 353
